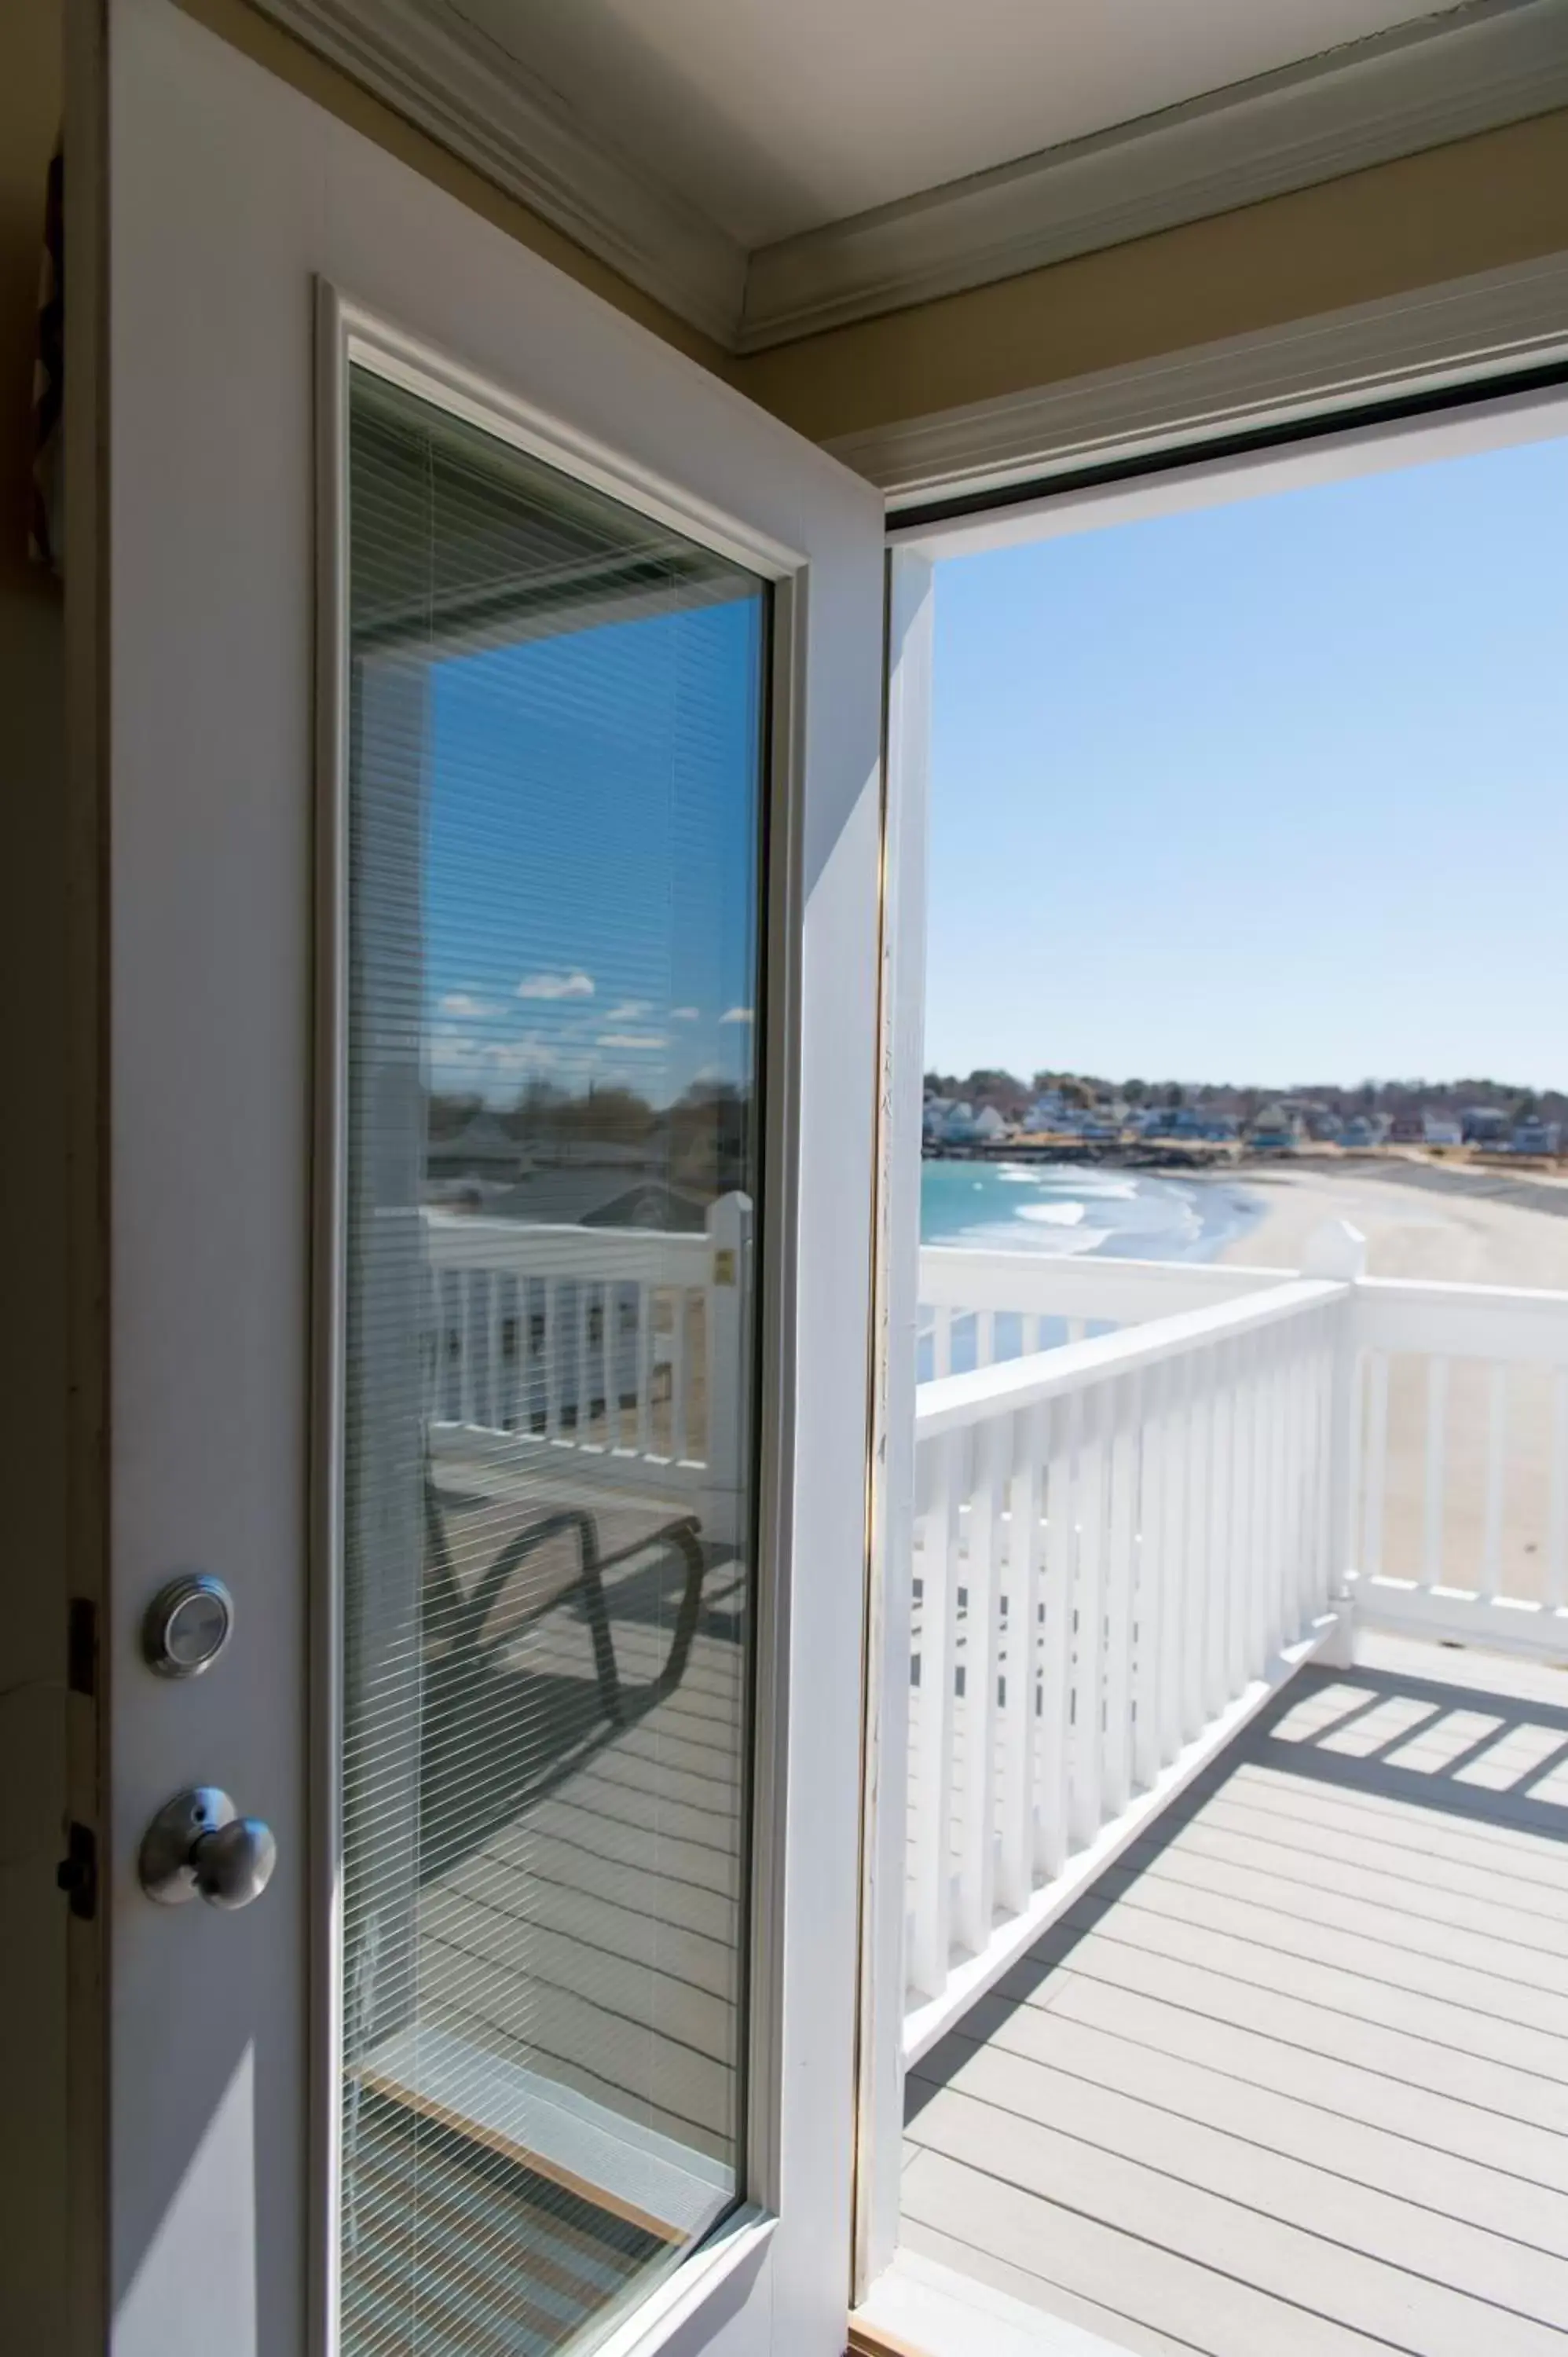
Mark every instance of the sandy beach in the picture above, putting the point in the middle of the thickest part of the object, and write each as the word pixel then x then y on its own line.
pixel 1427 1225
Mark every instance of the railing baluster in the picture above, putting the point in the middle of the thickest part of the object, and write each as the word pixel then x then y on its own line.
pixel 468 1328
pixel 1227 1495
pixel 1148 1620
pixel 1089 1595
pixel 1031 1329
pixel 1329 1565
pixel 941 1342
pixel 1556 1588
pixel 1376 1473
pixel 1496 1467
pixel 1200 1484
pixel 1020 1719
pixel 1173 1563
pixel 1281 1347
pixel 930 1838
pixel 582 1363
pixel 611 1365
pixel 985 1338
pixel 492 1282
pixel 678 1377
pixel 1436 1471
pixel 1243 1548
pixel 1055 1735
pixel 644 1361
pixel 1121 1505
pixel 1303 1506
pixel 551 1358
pixel 977 1840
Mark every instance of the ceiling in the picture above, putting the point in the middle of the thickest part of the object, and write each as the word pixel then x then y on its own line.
pixel 767 169
pixel 773 119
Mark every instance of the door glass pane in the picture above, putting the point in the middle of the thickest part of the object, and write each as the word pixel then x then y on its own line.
pixel 555 783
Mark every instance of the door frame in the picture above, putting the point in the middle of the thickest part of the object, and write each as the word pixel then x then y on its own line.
pixel 1089 479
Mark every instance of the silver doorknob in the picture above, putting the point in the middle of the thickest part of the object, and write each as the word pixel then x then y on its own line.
pixel 198 1847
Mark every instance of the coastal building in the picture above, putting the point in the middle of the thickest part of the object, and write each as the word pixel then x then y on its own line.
pixel 1485 1125
pixel 1441 1129
pixel 1274 1130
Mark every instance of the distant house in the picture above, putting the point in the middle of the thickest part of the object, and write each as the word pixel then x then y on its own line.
pixel 476 1160
pixel 1274 1131
pixel 988 1124
pixel 1536 1136
pixel 1358 1132
pixel 1485 1125
pixel 1441 1129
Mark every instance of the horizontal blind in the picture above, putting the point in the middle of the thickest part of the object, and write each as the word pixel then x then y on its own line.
pixel 554 797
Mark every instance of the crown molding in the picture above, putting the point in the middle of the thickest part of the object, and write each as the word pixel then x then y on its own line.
pixel 443 74
pixel 1494 323
pixel 1468 70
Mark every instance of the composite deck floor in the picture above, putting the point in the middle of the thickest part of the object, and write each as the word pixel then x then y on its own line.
pixel 590 1933
pixel 1291 2079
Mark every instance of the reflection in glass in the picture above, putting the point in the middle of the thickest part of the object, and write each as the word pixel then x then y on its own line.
pixel 554 799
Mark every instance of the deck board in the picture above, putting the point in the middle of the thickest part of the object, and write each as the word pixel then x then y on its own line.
pixel 1293 2076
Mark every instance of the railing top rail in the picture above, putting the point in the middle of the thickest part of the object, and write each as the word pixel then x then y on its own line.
pixel 658 1255
pixel 1531 1300
pixel 953 1401
pixel 954 1260
pixel 1506 1322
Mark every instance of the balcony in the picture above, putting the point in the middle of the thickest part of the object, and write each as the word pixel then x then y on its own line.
pixel 1235 1771
pixel 1238 1797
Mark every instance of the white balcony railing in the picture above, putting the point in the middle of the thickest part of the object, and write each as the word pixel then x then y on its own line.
pixel 594 1345
pixel 1145 1492
pixel 1124 1542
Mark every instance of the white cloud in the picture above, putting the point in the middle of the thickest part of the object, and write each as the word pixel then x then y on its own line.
pixel 460 1002
pixel 631 1010
pixel 685 1014
pixel 634 1039
pixel 737 1014
pixel 556 986
pixel 517 1059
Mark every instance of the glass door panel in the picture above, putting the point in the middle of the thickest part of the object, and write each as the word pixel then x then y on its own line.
pixel 555 784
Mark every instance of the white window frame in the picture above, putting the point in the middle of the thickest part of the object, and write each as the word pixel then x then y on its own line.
pixel 348 336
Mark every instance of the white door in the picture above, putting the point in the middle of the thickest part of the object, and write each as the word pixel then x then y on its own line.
pixel 490 768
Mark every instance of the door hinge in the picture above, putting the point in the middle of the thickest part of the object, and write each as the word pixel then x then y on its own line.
pixel 81 1646
pixel 77 1873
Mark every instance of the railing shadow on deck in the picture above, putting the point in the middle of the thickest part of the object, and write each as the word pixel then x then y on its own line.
pixel 1467 1751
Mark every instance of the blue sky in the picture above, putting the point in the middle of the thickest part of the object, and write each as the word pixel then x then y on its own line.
pixel 1275 792
pixel 590 857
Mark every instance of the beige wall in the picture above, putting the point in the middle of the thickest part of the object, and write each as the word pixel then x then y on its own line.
pixel 1475 205
pixel 33 2258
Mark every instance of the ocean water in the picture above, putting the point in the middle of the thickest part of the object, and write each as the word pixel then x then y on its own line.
pixel 1060 1208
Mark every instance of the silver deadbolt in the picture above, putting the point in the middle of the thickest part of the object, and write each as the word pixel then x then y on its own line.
pixel 198 1847
pixel 187 1625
